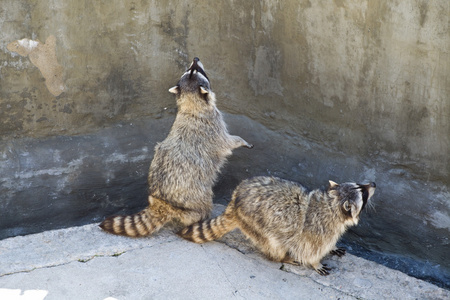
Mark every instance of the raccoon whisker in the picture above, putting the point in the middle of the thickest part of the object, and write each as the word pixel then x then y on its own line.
pixel 371 206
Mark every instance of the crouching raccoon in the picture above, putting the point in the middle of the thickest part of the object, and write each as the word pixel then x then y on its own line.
pixel 287 223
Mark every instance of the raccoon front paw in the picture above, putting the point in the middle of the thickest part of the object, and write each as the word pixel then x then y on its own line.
pixel 323 271
pixel 338 251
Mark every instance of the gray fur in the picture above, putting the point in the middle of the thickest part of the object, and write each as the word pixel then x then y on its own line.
pixel 186 164
pixel 287 223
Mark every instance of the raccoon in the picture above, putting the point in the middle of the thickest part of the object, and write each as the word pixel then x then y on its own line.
pixel 285 221
pixel 186 164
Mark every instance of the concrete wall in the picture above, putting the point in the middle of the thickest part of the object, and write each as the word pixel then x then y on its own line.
pixel 341 90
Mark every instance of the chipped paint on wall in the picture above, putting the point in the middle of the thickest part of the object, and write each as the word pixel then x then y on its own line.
pixel 43 56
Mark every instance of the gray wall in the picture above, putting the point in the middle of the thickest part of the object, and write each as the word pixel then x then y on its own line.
pixel 341 90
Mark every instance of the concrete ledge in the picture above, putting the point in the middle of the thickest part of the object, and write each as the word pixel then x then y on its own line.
pixel 86 263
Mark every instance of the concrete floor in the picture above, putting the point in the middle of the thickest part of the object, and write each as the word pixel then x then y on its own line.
pixel 86 263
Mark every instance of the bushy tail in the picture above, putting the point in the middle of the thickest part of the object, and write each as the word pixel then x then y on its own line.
pixel 208 230
pixel 143 223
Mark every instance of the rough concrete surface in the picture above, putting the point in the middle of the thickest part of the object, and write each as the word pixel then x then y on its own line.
pixel 43 56
pixel 343 90
pixel 86 263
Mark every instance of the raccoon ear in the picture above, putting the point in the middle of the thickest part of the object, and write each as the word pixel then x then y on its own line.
pixel 346 205
pixel 333 184
pixel 203 90
pixel 174 90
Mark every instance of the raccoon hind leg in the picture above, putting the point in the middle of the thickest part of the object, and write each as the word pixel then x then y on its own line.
pixel 269 246
pixel 188 216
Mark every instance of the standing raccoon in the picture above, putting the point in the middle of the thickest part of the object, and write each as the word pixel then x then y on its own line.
pixel 287 223
pixel 186 164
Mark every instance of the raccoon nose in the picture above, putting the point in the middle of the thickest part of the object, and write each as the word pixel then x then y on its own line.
pixel 373 184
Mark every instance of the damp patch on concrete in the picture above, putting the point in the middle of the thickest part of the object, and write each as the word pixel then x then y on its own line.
pixel 43 56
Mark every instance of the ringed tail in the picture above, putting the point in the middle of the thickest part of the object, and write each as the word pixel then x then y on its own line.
pixel 208 230
pixel 140 224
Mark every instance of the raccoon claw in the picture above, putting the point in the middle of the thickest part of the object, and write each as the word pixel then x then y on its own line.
pixel 324 270
pixel 338 251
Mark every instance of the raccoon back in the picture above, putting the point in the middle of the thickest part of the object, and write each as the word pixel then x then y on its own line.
pixel 272 205
pixel 186 164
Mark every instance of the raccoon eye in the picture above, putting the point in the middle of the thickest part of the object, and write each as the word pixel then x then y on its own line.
pixel 346 206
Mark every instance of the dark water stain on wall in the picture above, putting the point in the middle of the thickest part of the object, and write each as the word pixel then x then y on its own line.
pixel 74 180
pixel 423 9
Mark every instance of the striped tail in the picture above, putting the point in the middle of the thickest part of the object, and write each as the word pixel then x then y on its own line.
pixel 208 230
pixel 141 224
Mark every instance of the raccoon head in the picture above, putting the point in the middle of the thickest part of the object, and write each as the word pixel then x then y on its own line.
pixel 352 198
pixel 194 82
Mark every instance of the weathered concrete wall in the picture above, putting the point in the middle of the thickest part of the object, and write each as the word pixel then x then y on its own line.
pixel 342 90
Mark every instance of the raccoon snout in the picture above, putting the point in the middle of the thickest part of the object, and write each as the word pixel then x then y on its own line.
pixel 368 186
pixel 194 65
pixel 198 67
